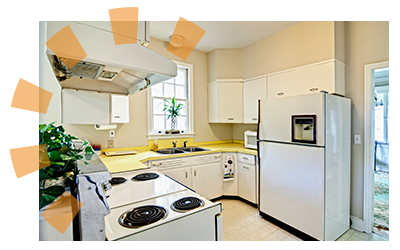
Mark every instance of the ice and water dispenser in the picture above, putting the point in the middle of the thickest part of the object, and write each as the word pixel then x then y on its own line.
pixel 304 129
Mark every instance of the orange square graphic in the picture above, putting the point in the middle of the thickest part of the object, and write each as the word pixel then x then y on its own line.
pixel 191 34
pixel 62 211
pixel 124 23
pixel 30 97
pixel 65 44
pixel 27 160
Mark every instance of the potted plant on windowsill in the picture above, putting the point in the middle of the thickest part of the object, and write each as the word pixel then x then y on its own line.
pixel 63 156
pixel 173 111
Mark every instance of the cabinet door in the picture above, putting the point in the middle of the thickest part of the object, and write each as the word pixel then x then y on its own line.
pixel 119 109
pixel 315 78
pixel 182 175
pixel 230 102
pixel 207 180
pixel 247 181
pixel 252 91
pixel 84 107
pixel 283 84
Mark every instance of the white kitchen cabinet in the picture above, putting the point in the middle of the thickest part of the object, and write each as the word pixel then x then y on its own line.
pixel 88 107
pixel 206 180
pixel 327 76
pixel 119 109
pixel 248 183
pixel 252 91
pixel 84 107
pixel 182 175
pixel 202 173
pixel 225 101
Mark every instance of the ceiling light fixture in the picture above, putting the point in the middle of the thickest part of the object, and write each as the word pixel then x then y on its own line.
pixel 176 41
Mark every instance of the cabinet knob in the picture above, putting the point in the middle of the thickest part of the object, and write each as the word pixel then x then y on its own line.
pixel 117 116
pixel 313 89
pixel 280 93
pixel 231 118
pixel 186 174
pixel 254 119
pixel 195 173
pixel 217 156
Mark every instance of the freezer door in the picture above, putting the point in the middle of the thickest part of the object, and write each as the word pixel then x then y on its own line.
pixel 276 116
pixel 292 185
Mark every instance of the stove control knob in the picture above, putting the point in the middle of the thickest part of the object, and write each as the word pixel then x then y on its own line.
pixel 107 186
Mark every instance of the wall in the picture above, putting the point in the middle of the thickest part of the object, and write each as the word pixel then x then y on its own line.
pixel 224 64
pixel 366 43
pixel 304 43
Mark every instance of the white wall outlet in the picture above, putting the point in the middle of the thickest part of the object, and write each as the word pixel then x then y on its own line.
pixel 111 133
pixel 110 143
pixel 357 139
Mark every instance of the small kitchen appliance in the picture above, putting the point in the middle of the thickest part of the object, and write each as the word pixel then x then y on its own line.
pixel 250 139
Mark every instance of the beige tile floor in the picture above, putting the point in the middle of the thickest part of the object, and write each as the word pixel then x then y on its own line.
pixel 242 222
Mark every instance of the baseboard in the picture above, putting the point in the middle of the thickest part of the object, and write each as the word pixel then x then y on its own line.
pixel 357 224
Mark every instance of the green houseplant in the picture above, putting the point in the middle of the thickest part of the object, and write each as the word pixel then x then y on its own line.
pixel 62 156
pixel 173 111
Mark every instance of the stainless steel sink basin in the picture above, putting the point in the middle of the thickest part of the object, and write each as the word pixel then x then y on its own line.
pixel 170 151
pixel 194 149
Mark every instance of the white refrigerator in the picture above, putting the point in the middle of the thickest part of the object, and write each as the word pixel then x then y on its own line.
pixel 304 162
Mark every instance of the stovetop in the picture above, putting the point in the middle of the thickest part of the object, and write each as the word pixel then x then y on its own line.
pixel 152 213
pixel 137 189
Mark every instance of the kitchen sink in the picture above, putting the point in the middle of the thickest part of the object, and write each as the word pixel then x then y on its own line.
pixel 170 151
pixel 194 149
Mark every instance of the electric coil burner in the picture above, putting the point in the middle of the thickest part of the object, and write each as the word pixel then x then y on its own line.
pixel 145 177
pixel 117 180
pixel 142 216
pixel 187 203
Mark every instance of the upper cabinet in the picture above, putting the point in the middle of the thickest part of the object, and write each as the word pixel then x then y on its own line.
pixel 253 90
pixel 326 76
pixel 225 101
pixel 87 107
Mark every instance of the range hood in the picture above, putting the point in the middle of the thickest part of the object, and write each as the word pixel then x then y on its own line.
pixel 119 69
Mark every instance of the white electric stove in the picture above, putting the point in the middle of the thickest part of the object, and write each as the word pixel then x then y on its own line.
pixel 153 207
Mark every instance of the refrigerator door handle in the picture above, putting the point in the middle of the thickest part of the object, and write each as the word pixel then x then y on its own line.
pixel 293 143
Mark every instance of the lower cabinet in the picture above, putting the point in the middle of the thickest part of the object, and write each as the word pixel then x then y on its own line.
pixel 207 180
pixel 247 181
pixel 182 175
pixel 203 173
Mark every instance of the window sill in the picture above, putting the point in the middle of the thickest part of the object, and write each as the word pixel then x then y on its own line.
pixel 166 136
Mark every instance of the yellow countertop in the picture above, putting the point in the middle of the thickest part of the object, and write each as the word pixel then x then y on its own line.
pixel 123 163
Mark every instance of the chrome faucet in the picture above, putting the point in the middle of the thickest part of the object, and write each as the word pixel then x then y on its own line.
pixel 184 144
pixel 174 143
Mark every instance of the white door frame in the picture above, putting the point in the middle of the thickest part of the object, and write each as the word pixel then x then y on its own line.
pixel 369 135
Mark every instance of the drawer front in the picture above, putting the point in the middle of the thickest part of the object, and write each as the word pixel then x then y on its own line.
pixel 187 161
pixel 245 158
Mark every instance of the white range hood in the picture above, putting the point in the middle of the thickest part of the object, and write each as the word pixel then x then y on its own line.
pixel 109 68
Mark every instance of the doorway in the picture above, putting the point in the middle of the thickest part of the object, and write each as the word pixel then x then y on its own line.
pixel 376 149
pixel 381 152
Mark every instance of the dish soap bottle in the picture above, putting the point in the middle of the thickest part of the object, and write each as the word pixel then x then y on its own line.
pixel 155 146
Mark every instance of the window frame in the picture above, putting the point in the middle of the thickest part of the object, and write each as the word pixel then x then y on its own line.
pixel 190 108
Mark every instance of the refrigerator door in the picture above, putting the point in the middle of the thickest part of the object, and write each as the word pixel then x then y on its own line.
pixel 292 185
pixel 276 116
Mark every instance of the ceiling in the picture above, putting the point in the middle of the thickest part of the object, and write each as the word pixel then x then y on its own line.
pixel 223 34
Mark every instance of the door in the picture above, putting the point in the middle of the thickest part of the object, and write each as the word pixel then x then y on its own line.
pixel 292 185
pixel 230 102
pixel 282 85
pixel 276 116
pixel 182 175
pixel 207 180
pixel 119 109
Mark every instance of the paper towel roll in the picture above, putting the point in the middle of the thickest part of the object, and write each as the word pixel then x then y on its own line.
pixel 105 126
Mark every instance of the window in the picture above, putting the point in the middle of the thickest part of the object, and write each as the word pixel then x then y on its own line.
pixel 179 87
